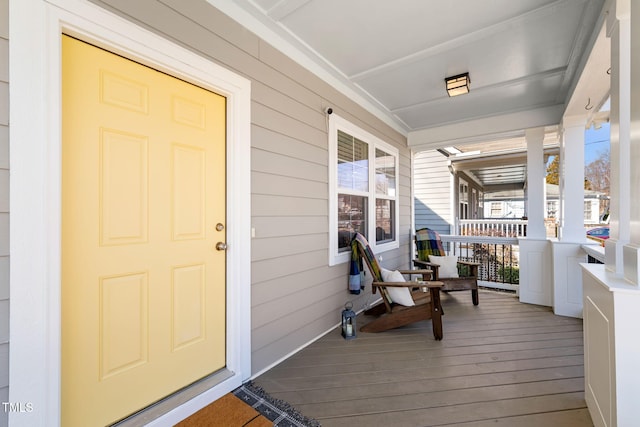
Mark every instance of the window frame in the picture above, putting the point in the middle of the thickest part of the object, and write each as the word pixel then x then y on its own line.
pixel 496 212
pixel 337 123
pixel 463 199
pixel 552 209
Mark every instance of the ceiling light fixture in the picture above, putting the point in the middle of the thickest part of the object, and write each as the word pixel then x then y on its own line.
pixel 458 85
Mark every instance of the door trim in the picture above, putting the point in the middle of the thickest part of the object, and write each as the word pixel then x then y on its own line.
pixel 35 200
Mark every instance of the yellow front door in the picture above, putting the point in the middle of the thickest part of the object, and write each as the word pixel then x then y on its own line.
pixel 143 189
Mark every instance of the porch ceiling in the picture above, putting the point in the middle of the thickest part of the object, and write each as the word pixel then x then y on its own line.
pixel 500 164
pixel 524 57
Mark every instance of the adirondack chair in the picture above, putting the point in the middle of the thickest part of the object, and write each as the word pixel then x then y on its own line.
pixel 391 314
pixel 455 274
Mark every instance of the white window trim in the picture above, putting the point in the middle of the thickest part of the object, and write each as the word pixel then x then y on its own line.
pixel 461 202
pixel 338 123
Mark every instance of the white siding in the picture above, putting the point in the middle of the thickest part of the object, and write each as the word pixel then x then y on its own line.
pixel 432 192
pixel 296 296
pixel 4 207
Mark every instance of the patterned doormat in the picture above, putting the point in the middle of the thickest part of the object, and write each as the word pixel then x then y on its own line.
pixel 279 412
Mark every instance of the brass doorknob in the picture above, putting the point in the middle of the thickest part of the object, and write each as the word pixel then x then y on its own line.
pixel 221 246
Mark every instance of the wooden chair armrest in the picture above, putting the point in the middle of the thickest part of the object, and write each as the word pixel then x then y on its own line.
pixel 393 284
pixel 428 284
pixel 416 271
pixel 425 263
pixel 420 272
pixel 432 284
pixel 431 264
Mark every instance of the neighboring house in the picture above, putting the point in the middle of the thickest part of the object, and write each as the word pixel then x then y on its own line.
pixel 441 196
pixel 499 209
pixel 278 238
pixel 433 188
pixel 511 204
pixel 445 192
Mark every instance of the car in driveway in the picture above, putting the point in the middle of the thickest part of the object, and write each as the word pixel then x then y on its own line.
pixel 599 234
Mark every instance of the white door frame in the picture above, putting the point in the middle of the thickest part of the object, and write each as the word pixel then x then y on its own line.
pixel 35 199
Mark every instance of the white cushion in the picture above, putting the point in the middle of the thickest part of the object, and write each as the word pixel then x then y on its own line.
pixel 398 295
pixel 448 265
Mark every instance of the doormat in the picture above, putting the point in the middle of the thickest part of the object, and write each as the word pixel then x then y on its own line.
pixel 228 411
pixel 279 412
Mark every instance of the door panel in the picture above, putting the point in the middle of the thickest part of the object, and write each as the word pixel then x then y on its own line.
pixel 143 186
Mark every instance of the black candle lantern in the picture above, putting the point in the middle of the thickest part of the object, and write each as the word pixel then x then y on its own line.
pixel 348 322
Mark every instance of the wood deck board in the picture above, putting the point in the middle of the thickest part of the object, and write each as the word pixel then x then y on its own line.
pixel 501 352
pixel 456 339
pixel 435 385
pixel 416 371
pixel 500 363
pixel 335 365
pixel 420 342
pixel 472 412
pixel 440 398
pixel 570 418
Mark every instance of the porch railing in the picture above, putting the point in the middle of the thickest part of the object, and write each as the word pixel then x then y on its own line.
pixel 498 258
pixel 492 227
pixel 595 254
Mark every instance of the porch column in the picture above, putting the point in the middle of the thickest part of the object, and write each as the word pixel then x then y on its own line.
pixel 631 250
pixel 572 180
pixel 567 252
pixel 536 187
pixel 535 256
pixel 619 31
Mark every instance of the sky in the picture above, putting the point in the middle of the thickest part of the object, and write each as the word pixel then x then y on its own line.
pixel 595 142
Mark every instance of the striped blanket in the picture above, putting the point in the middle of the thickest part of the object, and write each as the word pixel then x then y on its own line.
pixel 428 243
pixel 355 281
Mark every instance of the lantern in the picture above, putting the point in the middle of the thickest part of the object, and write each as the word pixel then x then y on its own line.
pixel 348 322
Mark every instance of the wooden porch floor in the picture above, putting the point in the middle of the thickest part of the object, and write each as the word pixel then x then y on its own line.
pixel 501 363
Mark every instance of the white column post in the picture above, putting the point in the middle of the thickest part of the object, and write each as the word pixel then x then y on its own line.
pixel 536 187
pixel 619 31
pixel 572 180
pixel 631 251
pixel 535 275
pixel 567 253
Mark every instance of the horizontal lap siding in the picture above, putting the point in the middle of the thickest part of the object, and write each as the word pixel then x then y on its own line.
pixel 296 296
pixel 4 207
pixel 432 192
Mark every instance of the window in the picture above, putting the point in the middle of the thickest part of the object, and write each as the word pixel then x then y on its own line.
pixel 591 211
pixel 496 210
pixel 385 196
pixel 474 203
pixel 552 209
pixel 587 210
pixel 363 187
pixel 463 200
